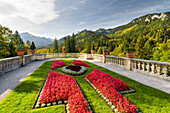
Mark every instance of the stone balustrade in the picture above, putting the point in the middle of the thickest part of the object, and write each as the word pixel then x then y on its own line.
pixel 9 64
pixel 153 68
pixel 121 61
pixel 98 57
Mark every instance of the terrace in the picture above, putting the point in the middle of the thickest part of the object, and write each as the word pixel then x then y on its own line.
pixel 151 73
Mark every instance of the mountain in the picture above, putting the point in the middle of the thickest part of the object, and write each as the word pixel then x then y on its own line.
pixel 149 34
pixel 39 41
pixel 143 20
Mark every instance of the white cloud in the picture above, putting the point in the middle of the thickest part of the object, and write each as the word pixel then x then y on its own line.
pixel 33 11
pixel 75 8
pixel 82 23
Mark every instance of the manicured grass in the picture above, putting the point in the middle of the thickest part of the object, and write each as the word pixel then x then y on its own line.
pixel 23 97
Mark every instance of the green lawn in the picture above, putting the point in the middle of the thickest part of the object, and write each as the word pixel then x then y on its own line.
pixel 23 97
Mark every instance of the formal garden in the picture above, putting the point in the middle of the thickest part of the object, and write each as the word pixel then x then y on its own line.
pixel 76 86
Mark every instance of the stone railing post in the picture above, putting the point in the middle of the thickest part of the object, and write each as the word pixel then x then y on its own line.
pixel 1 71
pixel 104 58
pixel 33 58
pixel 23 61
pixel 128 64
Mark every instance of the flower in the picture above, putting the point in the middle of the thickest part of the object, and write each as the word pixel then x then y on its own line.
pixel 81 63
pixel 57 64
pixel 109 87
pixel 61 87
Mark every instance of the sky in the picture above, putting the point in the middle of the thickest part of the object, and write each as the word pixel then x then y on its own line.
pixel 59 18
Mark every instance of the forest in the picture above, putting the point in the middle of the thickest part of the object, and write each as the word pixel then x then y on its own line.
pixel 149 36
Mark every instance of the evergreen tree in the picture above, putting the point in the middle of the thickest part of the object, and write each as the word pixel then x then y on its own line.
pixel 140 50
pixel 72 44
pixel 87 47
pixel 68 44
pixel 55 44
pixel 28 42
pixel 65 41
pixel 11 49
pixel 32 47
pixel 99 51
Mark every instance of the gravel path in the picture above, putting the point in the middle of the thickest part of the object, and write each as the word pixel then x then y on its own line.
pixel 163 85
pixel 10 80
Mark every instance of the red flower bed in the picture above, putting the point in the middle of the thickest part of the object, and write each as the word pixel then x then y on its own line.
pixel 61 87
pixel 57 64
pixel 81 63
pixel 109 87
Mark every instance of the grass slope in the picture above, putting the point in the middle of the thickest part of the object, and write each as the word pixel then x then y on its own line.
pixel 22 98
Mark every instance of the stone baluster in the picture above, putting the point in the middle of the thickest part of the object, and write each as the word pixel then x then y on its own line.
pixel 143 66
pixel 139 65
pixel 158 68
pixel 148 67
pixel 165 71
pixel 153 67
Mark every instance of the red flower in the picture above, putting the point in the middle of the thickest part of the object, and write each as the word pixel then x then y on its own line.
pixel 57 64
pixel 81 63
pixel 109 87
pixel 61 87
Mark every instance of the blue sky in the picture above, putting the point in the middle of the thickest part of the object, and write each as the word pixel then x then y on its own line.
pixel 59 18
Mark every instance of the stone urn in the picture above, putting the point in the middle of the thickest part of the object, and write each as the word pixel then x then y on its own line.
pixel 130 54
pixel 32 52
pixel 20 52
pixel 92 51
pixel 105 52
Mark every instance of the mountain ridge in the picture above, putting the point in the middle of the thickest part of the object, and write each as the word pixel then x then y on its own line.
pixel 39 41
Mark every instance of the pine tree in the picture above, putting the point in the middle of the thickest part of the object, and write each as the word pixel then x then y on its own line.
pixel 68 44
pixel 55 44
pixel 32 47
pixel 88 47
pixel 140 53
pixel 72 44
pixel 28 42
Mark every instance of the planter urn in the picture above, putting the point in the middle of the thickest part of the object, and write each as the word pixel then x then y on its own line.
pixel 20 52
pixel 92 51
pixel 32 52
pixel 130 54
pixel 105 52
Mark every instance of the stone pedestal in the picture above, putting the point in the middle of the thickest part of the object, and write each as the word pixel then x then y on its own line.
pixel 104 59
pixel 128 65
pixel 23 61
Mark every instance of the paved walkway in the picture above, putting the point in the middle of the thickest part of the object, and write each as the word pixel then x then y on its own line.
pixel 10 80
pixel 154 82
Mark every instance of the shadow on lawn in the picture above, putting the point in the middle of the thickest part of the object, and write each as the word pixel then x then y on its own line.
pixel 28 86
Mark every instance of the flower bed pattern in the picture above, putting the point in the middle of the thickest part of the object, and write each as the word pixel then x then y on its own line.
pixel 74 70
pixel 57 64
pixel 62 89
pixel 80 63
pixel 110 88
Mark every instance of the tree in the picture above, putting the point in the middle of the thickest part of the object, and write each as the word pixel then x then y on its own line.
pixel 72 44
pixel 55 44
pixel 87 46
pixel 99 51
pixel 68 44
pixel 140 50
pixel 18 38
pixel 28 42
pixel 32 47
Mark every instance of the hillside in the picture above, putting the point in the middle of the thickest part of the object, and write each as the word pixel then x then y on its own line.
pixel 39 41
pixel 149 34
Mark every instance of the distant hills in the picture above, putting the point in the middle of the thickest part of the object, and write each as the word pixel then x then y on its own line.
pixel 39 41
pixel 118 32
